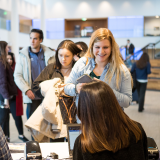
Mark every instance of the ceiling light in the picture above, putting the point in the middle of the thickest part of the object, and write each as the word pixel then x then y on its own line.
pixel 157 16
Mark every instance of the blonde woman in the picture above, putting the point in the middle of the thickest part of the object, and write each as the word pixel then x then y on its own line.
pixel 102 61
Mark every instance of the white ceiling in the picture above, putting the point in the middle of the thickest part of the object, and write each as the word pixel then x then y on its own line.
pixel 34 2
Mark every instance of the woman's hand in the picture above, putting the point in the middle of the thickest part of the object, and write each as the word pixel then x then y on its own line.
pixel 61 85
pixel 79 86
pixel 6 103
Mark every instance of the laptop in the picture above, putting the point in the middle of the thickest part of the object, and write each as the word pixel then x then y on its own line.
pixel 73 131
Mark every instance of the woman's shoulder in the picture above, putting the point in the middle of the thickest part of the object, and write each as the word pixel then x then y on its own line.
pixel 148 64
pixel 81 62
pixel 140 126
pixel 50 68
pixel 2 66
pixel 78 141
pixel 124 69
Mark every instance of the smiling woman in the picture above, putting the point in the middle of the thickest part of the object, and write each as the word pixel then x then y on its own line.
pixel 102 61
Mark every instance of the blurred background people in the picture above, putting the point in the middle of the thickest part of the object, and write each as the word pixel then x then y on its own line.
pixel 83 46
pixel 142 68
pixel 102 61
pixel 16 105
pixel 129 52
pixel 30 63
pixel 129 48
pixel 8 88
pixel 106 131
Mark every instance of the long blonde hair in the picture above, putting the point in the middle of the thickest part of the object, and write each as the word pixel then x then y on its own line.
pixel 114 59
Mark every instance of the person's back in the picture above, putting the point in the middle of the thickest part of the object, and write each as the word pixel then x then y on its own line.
pixel 142 68
pixel 135 151
pixel 107 132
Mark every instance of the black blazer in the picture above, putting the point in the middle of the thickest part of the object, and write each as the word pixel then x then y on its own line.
pixel 131 49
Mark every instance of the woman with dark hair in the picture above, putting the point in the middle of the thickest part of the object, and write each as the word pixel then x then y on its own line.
pixel 7 86
pixel 106 131
pixel 16 106
pixel 83 46
pixel 62 66
pixel 60 69
pixel 142 68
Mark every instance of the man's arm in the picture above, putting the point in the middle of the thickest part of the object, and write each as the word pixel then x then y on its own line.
pixel 18 76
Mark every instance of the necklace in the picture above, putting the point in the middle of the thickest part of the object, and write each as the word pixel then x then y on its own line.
pixel 66 70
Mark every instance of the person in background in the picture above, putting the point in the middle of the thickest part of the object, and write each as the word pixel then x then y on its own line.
pixel 30 63
pixel 83 46
pixel 8 88
pixel 106 131
pixel 129 52
pixel 60 69
pixel 142 68
pixel 102 61
pixel 129 48
pixel 16 106
pixel 51 59
pixel 4 149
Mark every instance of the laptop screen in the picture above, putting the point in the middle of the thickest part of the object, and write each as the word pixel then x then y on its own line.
pixel 73 132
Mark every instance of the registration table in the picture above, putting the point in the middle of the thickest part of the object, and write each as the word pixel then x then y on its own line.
pixel 60 148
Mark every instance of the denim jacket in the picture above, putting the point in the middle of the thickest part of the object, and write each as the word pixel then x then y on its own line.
pixel 123 94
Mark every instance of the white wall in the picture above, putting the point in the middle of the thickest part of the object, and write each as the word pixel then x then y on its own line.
pixel 87 8
pixel 4 35
pixel 138 42
pixel 24 40
pixel 24 8
pixel 150 23
pixel 101 8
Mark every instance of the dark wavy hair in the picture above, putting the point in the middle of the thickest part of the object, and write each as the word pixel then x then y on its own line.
pixel 104 124
pixel 143 61
pixel 39 31
pixel 13 59
pixel 84 48
pixel 71 46
pixel 3 54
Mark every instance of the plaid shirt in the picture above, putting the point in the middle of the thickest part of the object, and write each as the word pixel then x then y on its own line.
pixel 4 150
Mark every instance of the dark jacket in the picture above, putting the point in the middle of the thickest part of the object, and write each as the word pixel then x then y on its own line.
pixel 48 73
pixel 135 151
pixel 141 74
pixel 7 85
pixel 131 49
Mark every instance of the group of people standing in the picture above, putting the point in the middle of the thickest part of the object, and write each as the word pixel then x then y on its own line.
pixel 106 129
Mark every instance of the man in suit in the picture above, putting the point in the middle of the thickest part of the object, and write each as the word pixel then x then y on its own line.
pixel 129 48
pixel 129 52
